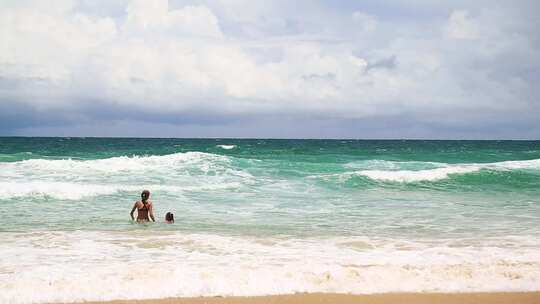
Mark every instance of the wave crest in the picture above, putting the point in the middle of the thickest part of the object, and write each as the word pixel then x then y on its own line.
pixel 443 171
pixel 226 147
pixel 416 176
pixel 75 179
pixel 203 162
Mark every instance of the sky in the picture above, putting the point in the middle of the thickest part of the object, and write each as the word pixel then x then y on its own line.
pixel 271 69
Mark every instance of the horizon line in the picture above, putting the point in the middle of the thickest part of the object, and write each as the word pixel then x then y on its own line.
pixel 273 138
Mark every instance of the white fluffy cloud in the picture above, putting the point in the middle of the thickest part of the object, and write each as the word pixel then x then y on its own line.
pixel 161 58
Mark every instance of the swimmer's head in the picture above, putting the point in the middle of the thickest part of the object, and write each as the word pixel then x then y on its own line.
pixel 145 194
pixel 169 217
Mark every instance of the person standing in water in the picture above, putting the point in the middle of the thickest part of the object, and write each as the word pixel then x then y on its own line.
pixel 145 210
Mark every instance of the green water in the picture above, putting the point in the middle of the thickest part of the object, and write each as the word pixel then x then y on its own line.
pixel 291 187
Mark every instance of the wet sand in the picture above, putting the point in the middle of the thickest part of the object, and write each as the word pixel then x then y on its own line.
pixel 326 298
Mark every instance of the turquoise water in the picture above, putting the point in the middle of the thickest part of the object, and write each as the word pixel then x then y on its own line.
pixel 382 203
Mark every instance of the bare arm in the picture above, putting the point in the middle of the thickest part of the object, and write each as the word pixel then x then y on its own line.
pixel 133 210
pixel 151 212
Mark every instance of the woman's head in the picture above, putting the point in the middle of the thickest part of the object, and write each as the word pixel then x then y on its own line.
pixel 145 195
pixel 169 217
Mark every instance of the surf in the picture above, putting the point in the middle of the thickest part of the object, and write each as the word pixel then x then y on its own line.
pixel 192 265
pixel 442 170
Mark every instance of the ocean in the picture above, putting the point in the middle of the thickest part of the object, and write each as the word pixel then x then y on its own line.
pixel 265 216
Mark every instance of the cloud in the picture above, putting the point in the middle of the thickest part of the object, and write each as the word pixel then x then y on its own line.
pixel 366 22
pixel 155 17
pixel 460 26
pixel 154 60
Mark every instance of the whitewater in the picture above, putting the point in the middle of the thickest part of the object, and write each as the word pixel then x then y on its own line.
pixel 264 217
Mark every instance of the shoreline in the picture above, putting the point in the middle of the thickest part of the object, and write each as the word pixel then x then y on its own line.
pixel 532 297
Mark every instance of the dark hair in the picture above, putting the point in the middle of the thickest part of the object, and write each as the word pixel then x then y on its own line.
pixel 169 217
pixel 145 194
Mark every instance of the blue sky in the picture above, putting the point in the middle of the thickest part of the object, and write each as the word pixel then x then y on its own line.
pixel 288 69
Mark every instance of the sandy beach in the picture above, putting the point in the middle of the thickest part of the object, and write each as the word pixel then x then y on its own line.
pixel 401 298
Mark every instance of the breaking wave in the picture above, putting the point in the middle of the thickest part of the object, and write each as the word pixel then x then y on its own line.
pixel 226 147
pixel 204 161
pixel 71 179
pixel 443 171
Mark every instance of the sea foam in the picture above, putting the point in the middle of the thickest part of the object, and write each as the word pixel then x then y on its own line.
pixel 443 171
pixel 188 265
pixel 59 190
pixel 416 176
pixel 77 191
pixel 75 179
pixel 226 147
pixel 203 161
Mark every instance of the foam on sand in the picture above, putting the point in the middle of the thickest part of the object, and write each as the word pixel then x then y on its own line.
pixel 187 265
pixel 402 298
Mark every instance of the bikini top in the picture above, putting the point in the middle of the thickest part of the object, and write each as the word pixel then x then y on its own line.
pixel 145 206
